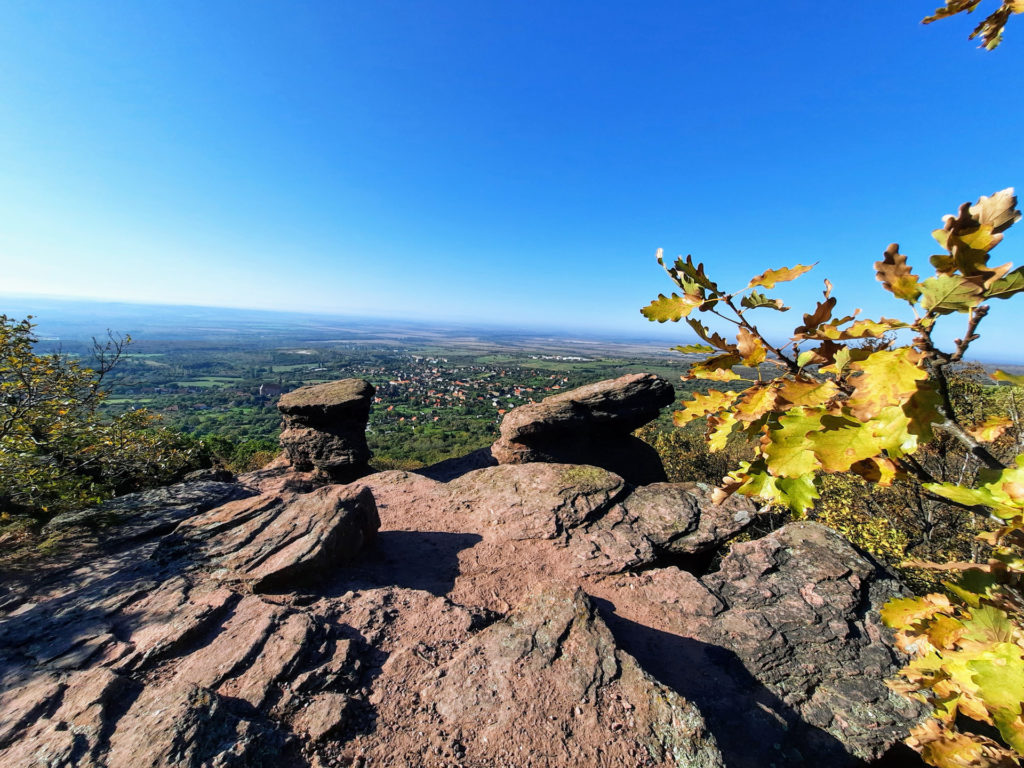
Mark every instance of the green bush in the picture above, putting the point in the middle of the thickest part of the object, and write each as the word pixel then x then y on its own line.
pixel 56 451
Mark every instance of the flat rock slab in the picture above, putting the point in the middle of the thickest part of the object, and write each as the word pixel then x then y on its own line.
pixel 346 399
pixel 190 727
pixel 150 513
pixel 275 541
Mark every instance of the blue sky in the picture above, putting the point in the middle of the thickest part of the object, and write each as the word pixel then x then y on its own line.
pixel 507 162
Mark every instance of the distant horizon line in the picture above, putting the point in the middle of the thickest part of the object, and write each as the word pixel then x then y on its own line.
pixel 435 322
pixel 560 333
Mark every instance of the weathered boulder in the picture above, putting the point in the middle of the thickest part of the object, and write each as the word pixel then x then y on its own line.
pixel 790 650
pixel 803 617
pixel 681 518
pixel 277 541
pixel 659 522
pixel 590 425
pixel 325 428
pixel 535 501
pixel 549 681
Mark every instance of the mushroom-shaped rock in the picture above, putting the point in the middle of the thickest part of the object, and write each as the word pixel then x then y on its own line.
pixel 325 428
pixel 590 425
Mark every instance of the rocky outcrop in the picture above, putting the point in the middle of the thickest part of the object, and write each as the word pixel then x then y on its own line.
pixel 549 680
pixel 527 615
pixel 325 428
pixel 789 625
pixel 658 522
pixel 282 541
pixel 149 513
pixel 590 425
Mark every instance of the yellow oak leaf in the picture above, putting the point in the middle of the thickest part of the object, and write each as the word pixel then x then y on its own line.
pixel 991 429
pixel 895 274
pixel 878 470
pixel 1009 377
pixel 674 308
pixel 717 368
pixel 905 611
pixel 750 348
pixel 719 429
pixel 770 277
pixel 803 391
pixel 702 405
pixel 886 377
pixel 756 402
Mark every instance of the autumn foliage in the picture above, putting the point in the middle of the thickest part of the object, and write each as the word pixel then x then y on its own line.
pixel 57 451
pixel 990 29
pixel 852 396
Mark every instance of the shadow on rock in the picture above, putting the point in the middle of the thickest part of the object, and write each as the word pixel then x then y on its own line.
pixel 426 560
pixel 753 727
pixel 450 469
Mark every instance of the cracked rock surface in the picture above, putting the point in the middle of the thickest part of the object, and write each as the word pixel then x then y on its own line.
pixel 517 615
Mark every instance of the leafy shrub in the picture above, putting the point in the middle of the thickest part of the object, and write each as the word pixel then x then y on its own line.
pixel 843 399
pixel 56 452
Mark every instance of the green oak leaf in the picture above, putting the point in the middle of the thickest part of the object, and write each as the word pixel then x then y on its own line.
pixel 787 449
pixel 999 677
pixel 949 293
pixel 842 443
pixel 1006 286
pixel 757 300
pixel 798 493
pixel 694 273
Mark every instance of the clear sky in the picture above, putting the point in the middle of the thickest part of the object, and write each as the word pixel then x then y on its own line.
pixel 507 162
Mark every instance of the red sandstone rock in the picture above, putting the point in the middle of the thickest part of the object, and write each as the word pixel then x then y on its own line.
pixel 325 428
pixel 280 541
pixel 590 425
pixel 447 643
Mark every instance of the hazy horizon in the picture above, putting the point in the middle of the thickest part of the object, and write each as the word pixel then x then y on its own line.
pixel 105 318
